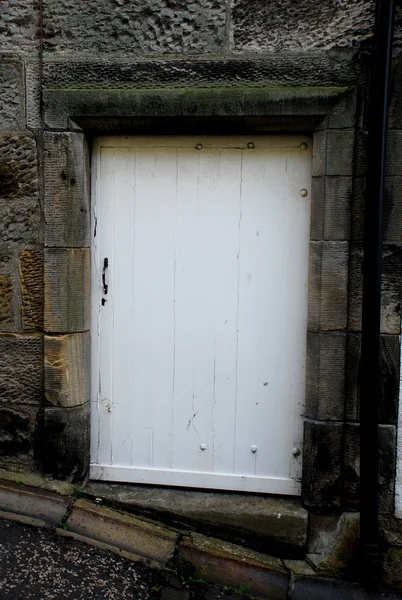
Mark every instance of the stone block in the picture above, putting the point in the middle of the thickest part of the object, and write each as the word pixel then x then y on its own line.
pixel 21 365
pixel 328 284
pixel 67 192
pixel 391 288
pixel 265 523
pixel 161 26
pixel 340 149
pixel 338 199
pixel 12 100
pixel 386 467
pixel 390 368
pixel 395 108
pixel 392 568
pixel 226 564
pixel 19 26
pixel 360 154
pixel 325 377
pixel 319 165
pixel 17 431
pixel 334 544
pixel 343 115
pixel 394 153
pixel 6 302
pixel 67 369
pixel 18 167
pixel 67 290
pixel 63 442
pixel 317 208
pixel 30 502
pixel 392 210
pixel 31 277
pixel 20 221
pixel 33 77
pixel 322 464
pixel 153 542
pixel 281 25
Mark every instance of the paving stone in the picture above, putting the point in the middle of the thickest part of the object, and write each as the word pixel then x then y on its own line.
pixel 38 504
pixel 299 568
pixel 269 523
pixel 226 564
pixel 128 533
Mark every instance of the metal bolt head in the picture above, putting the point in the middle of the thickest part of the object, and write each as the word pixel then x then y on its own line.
pixel 303 193
pixel 254 448
pixel 303 146
pixel 296 451
pixel 203 446
pixel 251 145
pixel 199 147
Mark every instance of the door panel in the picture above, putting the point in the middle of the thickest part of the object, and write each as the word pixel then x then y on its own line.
pixel 198 346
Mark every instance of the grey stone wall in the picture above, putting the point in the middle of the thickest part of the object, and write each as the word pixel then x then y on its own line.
pixel 69 70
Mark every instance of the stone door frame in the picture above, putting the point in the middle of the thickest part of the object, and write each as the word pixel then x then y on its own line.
pixel 72 119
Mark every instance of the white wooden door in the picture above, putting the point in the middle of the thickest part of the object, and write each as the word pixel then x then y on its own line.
pixel 198 346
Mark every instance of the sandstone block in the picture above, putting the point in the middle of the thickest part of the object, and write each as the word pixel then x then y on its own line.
pixel 63 442
pixel 17 432
pixel 18 167
pixel 67 369
pixel 19 26
pixel 322 464
pixel 39 504
pixel 160 26
pixel 152 542
pixel 21 364
pixel 392 568
pixel 67 193
pixel 281 25
pixel 226 564
pixel 6 302
pixel 67 290
pixel 12 109
pixel 319 153
pixel 325 385
pixel 328 284
pixel 20 221
pixel 392 210
pixel 31 276
pixel 340 148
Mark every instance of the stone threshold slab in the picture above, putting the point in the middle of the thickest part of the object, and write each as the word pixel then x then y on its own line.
pixel 267 524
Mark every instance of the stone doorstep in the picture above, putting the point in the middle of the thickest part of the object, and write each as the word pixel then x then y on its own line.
pixel 38 504
pixel 118 530
pixel 267 524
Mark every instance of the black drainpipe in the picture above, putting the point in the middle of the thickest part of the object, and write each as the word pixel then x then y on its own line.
pixel 372 271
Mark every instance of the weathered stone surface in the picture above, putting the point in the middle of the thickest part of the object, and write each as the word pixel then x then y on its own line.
pixel 392 210
pixel 20 221
pixel 319 153
pixel 392 568
pixel 318 588
pixel 334 544
pixel 283 25
pixel 331 207
pixel 7 257
pixel 328 283
pixel 386 479
pixel 138 26
pixel 395 108
pixel 390 367
pixel 67 369
pixel 343 115
pixel 12 107
pixel 36 480
pixel 322 464
pixel 226 564
pixel 63 442
pixel 67 290
pixel 31 276
pixel 19 25
pixel 265 523
pixel 391 288
pixel 21 364
pixel 153 542
pixel 39 504
pixel 33 92
pixel 394 153
pixel 340 145
pixel 391 529
pixel 288 69
pixel 67 194
pixel 18 167
pixel 17 430
pixel 6 302
pixel 325 385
